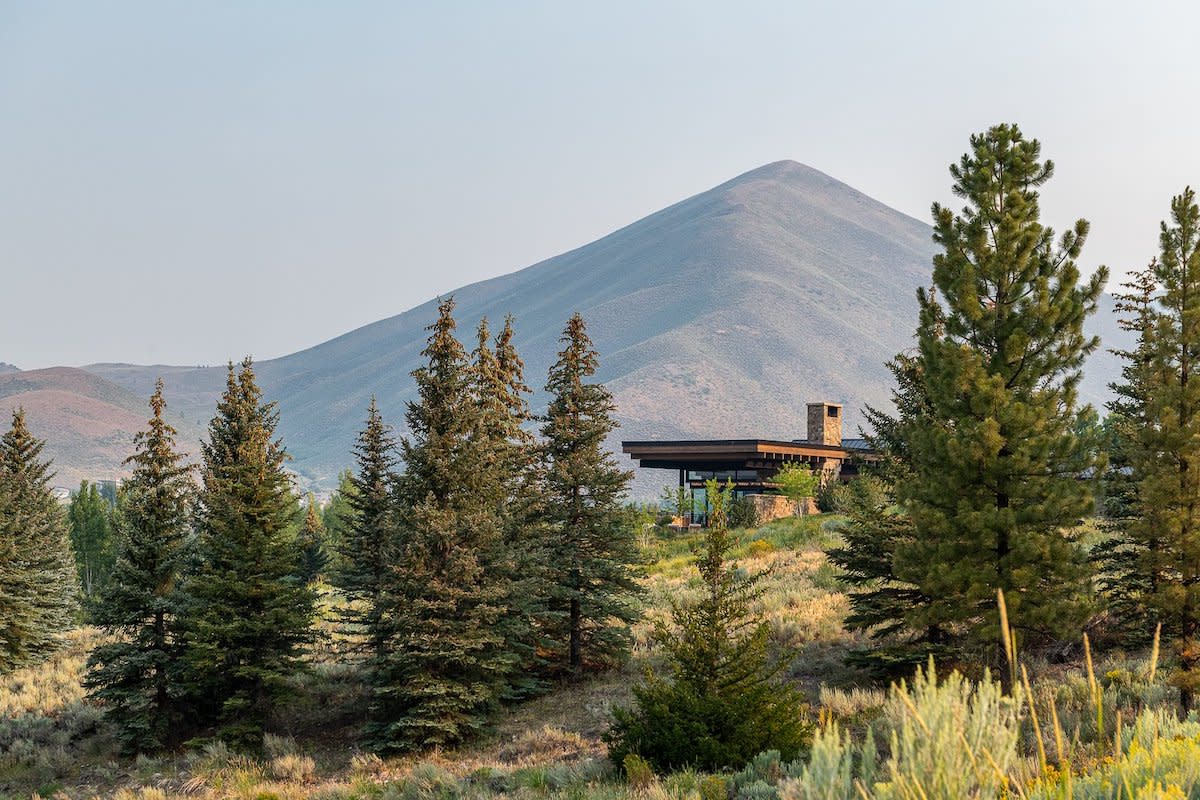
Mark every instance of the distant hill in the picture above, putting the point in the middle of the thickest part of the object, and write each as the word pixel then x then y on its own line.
pixel 88 422
pixel 721 315
pixel 6 367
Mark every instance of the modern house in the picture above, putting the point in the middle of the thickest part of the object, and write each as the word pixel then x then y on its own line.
pixel 750 464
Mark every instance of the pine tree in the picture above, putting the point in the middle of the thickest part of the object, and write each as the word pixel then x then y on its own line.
pixel 314 556
pixel 90 518
pixel 135 675
pixel 590 544
pixel 723 704
pixel 38 585
pixel 447 664
pixel 248 615
pixel 1164 448
pixel 994 489
pixel 367 547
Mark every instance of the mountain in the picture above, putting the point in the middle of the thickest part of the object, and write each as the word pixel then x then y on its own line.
pixel 6 367
pixel 721 315
pixel 88 422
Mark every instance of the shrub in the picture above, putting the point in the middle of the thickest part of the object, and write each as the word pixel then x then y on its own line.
pixel 761 777
pixel 742 513
pixel 638 772
pixel 1159 758
pixel 760 547
pixel 948 741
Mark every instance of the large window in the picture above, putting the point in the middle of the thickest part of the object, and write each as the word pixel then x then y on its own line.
pixel 722 475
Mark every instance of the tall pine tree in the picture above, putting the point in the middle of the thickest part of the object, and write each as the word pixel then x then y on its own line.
pixel 447 663
pixel 135 674
pixel 38 585
pixel 248 614
pixel 590 543
pixel 993 488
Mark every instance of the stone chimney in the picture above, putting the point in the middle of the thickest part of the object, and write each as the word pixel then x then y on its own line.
pixel 825 423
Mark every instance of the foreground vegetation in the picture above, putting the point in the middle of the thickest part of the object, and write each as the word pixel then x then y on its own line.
pixel 1071 733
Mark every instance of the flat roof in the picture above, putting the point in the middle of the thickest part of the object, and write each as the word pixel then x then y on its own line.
pixel 735 453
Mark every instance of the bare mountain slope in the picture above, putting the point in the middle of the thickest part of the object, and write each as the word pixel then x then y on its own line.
pixel 720 315
pixel 88 422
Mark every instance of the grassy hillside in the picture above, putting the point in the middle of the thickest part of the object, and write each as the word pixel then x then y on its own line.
pixel 54 743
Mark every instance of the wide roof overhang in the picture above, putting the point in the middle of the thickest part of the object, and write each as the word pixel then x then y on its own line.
pixel 732 453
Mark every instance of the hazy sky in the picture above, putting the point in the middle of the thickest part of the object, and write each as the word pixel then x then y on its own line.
pixel 189 182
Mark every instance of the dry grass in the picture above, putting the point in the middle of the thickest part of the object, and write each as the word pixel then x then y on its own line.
pixel 52 741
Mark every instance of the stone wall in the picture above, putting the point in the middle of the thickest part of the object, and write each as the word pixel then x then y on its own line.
pixel 773 506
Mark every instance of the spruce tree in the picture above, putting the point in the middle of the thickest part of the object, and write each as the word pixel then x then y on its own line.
pixel 1164 444
pixel 722 704
pixel 509 490
pixel 248 615
pixel 590 545
pixel 993 489
pixel 38 585
pixel 368 530
pixel 1126 576
pixel 135 675
pixel 447 663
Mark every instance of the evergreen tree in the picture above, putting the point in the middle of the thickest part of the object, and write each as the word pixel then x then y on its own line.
pixel 37 572
pixel 876 527
pixel 590 544
pixel 509 489
pixel 135 674
pixel 368 532
pixel 1164 448
pixel 1123 558
pixel 447 664
pixel 723 704
pixel 337 516
pixel 313 555
pixel 90 518
pixel 993 488
pixel 248 615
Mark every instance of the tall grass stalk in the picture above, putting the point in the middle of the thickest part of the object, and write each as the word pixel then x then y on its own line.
pixel 1033 717
pixel 1006 634
pixel 1153 666
pixel 1094 686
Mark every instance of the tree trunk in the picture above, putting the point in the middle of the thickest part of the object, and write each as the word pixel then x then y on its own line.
pixel 576 652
